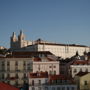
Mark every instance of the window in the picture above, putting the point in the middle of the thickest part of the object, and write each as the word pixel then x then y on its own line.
pixel 80 69
pixel 63 88
pixel 85 82
pixel 8 68
pixel 54 72
pixel 72 88
pixel 3 76
pixel 39 88
pixel 86 70
pixel 3 68
pixel 50 66
pixel 3 64
pixel 32 82
pixel 16 63
pixel 16 83
pixel 46 81
pixel 58 81
pixel 67 88
pixel 8 82
pixel 8 75
pixel 16 75
pixel 46 88
pixel 58 88
pixel 54 66
pixel 50 72
pixel 8 63
pixel 61 81
pixel 24 75
pixel 75 70
pixel 24 63
pixel 39 82
pixel 53 88
pixel 33 88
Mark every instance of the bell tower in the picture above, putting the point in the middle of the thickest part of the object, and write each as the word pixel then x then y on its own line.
pixel 21 36
pixel 13 37
pixel 13 40
pixel 21 39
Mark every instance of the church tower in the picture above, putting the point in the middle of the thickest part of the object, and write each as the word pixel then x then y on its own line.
pixel 13 40
pixel 21 36
pixel 21 39
pixel 13 37
pixel 18 43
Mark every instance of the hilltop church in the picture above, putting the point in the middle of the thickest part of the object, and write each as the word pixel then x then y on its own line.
pixel 62 50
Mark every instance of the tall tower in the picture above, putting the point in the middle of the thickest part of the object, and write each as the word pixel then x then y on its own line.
pixel 13 40
pixel 21 39
pixel 13 37
pixel 21 36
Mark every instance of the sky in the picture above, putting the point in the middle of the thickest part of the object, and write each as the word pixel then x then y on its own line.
pixel 60 21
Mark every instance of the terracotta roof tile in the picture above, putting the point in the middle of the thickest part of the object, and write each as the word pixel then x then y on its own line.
pixel 80 62
pixel 4 86
pixel 39 75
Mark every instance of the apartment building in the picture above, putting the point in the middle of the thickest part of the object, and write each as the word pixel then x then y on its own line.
pixel 43 81
pixel 14 70
pixel 78 66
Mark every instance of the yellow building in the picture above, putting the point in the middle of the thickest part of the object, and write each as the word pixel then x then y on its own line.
pixel 83 80
pixel 14 70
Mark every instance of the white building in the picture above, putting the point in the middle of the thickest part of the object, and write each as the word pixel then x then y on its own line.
pixel 61 50
pixel 46 64
pixel 78 66
pixel 41 81
pixel 15 66
pixel 20 42
pixel 1 47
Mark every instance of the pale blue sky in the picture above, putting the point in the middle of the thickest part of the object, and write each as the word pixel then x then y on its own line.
pixel 63 21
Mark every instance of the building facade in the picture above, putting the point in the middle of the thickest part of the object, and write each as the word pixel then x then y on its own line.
pixel 18 42
pixel 15 66
pixel 46 65
pixel 83 80
pixel 79 66
pixel 61 50
pixel 14 70
pixel 42 81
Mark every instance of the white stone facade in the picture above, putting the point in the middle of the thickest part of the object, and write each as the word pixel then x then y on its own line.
pixel 43 83
pixel 61 50
pixel 53 87
pixel 52 67
pixel 74 69
pixel 18 43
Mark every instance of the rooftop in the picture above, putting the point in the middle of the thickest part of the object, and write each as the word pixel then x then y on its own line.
pixel 81 73
pixel 81 62
pixel 39 75
pixel 4 86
